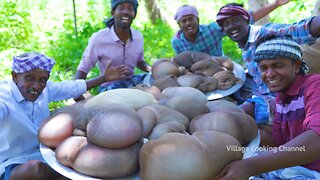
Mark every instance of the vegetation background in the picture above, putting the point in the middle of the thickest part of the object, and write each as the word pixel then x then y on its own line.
pixel 48 26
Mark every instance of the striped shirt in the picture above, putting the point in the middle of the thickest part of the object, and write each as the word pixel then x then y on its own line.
pixel 299 31
pixel 209 40
pixel 297 111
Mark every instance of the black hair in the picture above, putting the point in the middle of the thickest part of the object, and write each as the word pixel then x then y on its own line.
pixel 234 4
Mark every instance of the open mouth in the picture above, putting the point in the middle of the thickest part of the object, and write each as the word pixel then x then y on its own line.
pixel 125 19
pixel 234 33
pixel 273 83
pixel 33 92
pixel 190 30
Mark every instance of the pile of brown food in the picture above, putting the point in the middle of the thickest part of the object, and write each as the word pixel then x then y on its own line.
pixel 194 69
pixel 188 136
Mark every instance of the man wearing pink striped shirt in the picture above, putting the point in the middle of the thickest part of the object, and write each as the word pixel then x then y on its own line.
pixel 296 126
pixel 117 44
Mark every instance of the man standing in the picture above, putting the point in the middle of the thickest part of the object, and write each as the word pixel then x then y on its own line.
pixel 117 44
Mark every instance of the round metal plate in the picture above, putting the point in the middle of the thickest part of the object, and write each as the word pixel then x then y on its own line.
pixel 216 94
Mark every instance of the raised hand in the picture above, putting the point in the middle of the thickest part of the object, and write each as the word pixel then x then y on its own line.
pixel 121 72
pixel 281 2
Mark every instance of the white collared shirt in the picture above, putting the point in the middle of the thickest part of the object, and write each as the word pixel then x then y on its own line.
pixel 20 119
pixel 253 33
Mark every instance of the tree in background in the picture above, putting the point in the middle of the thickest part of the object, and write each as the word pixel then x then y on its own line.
pixel 316 9
pixel 15 32
pixel 15 26
pixel 153 11
pixel 257 4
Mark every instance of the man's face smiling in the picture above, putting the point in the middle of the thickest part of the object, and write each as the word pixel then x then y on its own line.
pixel 31 83
pixel 278 74
pixel 189 25
pixel 124 15
pixel 237 29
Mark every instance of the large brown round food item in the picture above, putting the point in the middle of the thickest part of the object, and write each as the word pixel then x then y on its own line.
pixel 239 125
pixel 110 125
pixel 166 127
pixel 185 92
pixel 155 114
pixel 190 80
pixel 177 156
pixel 114 129
pixel 149 120
pixel 187 106
pixel 165 82
pixel 223 105
pixel 207 67
pixel 188 58
pixel 154 90
pixel 224 62
pixel 164 67
pixel 59 125
pixel 226 79
pixel 102 162
pixel 200 82
pixel 84 117
pixel 208 84
pixel 54 131
pixel 97 161
pixel 124 96
pixel 66 152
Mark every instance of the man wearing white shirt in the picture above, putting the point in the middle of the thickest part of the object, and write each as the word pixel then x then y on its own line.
pixel 24 106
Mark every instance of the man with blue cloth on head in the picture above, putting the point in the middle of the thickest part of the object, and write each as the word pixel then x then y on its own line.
pixel 294 153
pixel 24 105
pixel 117 44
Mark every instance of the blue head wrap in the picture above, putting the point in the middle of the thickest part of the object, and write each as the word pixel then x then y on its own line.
pixel 280 47
pixel 114 3
pixel 29 61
